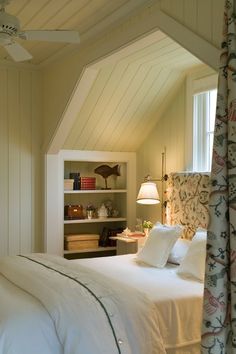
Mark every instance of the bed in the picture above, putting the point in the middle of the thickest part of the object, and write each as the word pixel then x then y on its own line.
pixel 105 305
pixel 174 298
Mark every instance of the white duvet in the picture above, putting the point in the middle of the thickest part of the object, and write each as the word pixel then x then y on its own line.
pixel 64 307
pixel 178 301
pixel 25 326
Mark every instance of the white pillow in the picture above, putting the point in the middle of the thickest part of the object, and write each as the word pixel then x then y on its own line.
pixel 179 251
pixel 159 243
pixel 193 264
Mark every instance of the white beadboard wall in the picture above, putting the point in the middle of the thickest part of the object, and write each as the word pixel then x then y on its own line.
pixel 203 17
pixel 20 160
pixel 170 133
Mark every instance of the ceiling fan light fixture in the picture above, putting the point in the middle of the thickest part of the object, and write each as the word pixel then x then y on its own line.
pixel 4 38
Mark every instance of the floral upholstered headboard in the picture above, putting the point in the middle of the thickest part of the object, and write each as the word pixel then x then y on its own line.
pixel 187 201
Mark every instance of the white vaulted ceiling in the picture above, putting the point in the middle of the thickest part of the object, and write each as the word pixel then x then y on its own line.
pixel 129 96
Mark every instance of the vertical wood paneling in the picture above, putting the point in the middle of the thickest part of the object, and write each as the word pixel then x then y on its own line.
pixel 3 165
pixel 190 14
pixel 37 164
pixel 217 21
pixel 177 7
pixel 166 5
pixel 14 160
pixel 20 143
pixel 169 132
pixel 204 17
pixel 25 160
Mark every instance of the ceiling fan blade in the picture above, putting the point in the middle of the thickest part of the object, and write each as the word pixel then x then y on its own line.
pixel 3 3
pixel 17 52
pixel 51 36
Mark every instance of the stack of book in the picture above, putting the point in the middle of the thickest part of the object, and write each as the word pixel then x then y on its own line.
pixel 87 183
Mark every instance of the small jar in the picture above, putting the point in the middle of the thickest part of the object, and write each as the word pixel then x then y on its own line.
pixel 102 212
pixel 89 214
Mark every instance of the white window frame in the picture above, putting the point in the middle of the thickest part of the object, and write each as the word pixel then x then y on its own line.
pixel 202 130
pixel 200 81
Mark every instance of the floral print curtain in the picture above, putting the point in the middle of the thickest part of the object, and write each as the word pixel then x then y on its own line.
pixel 219 308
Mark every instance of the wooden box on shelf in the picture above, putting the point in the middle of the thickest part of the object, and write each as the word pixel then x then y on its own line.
pixel 73 212
pixel 81 242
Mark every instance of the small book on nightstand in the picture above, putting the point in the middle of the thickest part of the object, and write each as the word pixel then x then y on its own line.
pixel 135 234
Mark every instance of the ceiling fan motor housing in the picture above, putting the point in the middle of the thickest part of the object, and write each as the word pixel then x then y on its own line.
pixel 9 24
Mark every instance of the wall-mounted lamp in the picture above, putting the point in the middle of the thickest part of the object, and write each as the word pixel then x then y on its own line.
pixel 148 193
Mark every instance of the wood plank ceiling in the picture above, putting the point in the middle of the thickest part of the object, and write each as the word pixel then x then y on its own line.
pixel 89 17
pixel 128 97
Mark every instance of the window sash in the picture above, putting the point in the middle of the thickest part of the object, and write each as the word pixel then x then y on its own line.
pixel 203 129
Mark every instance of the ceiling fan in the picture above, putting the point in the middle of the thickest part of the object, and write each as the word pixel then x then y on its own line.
pixel 10 30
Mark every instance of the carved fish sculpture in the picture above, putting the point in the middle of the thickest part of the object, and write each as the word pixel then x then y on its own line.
pixel 105 171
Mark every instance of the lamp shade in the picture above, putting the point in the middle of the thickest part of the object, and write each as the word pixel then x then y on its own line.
pixel 148 194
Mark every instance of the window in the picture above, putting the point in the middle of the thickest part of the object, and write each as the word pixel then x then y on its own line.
pixel 204 108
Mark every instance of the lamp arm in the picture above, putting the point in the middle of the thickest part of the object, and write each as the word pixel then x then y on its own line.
pixel 148 178
pixel 146 198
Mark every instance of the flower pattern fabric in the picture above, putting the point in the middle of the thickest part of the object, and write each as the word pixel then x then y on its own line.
pixel 219 309
pixel 188 196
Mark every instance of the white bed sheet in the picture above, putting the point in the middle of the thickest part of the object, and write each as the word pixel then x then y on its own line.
pixel 90 313
pixel 25 327
pixel 178 301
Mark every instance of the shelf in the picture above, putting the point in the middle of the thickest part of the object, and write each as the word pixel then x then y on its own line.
pixel 121 197
pixel 87 221
pixel 93 191
pixel 99 249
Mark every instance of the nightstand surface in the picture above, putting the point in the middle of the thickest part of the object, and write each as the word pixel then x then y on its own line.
pixel 127 244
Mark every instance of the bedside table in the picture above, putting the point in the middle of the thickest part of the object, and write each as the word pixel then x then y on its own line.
pixel 126 244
